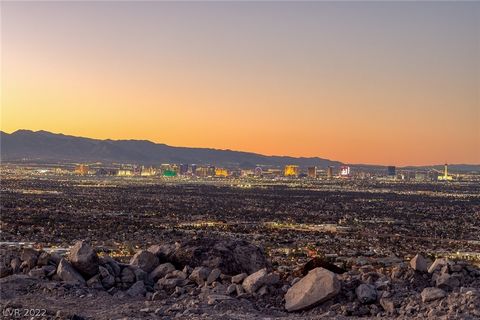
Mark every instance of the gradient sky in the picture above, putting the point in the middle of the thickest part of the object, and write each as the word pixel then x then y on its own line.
pixel 360 82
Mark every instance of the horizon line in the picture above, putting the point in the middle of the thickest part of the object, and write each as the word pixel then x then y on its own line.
pixel 262 154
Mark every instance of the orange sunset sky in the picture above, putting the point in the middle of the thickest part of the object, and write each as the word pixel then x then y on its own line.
pixel 360 82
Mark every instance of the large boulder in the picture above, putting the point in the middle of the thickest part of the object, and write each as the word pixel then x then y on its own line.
pixel 164 252
pixel 230 256
pixel 145 260
pixel 316 287
pixel 67 273
pixel 84 259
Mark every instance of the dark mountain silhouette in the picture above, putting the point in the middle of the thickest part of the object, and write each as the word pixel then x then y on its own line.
pixel 46 146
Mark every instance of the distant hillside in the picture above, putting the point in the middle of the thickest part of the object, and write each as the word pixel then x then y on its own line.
pixel 47 146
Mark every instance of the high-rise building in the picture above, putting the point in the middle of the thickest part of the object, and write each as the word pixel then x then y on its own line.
pixel 169 173
pixel 146 172
pixel 201 171
pixel 194 169
pixel 312 172
pixel 211 171
pixel 391 171
pixel 175 168
pixel 330 172
pixel 221 172
pixel 125 172
pixel 183 169
pixel 445 176
pixel 81 169
pixel 345 171
pixel 291 171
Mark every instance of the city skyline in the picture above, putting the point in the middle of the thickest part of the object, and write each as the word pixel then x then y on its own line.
pixel 349 82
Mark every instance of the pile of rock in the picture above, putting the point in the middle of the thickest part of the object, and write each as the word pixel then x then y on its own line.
pixel 211 265
pixel 220 276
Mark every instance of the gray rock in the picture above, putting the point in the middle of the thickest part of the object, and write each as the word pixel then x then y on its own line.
pixel 49 270
pixel 171 283
pixel 55 258
pixel 37 273
pixel 231 288
pixel 218 288
pixel 254 281
pixel 200 275
pixel 272 279
pixel 103 272
pixel 15 264
pixel 240 290
pixel 29 258
pixel 84 259
pixel 447 282
pixel 94 282
pixel 112 266
pixel 161 271
pixel 163 252
pixel 437 265
pixel 239 277
pixel 140 275
pixel 127 276
pixel 214 274
pixel 137 289
pixel 366 293
pixel 66 272
pixel 431 294
pixel 177 274
pixel 316 287
pixel 145 260
pixel 108 281
pixel 230 256
pixel 43 259
pixel 419 263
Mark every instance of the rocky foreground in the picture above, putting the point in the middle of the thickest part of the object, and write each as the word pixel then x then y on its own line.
pixel 229 279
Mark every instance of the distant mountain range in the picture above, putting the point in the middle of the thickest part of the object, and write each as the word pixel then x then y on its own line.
pixel 46 146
